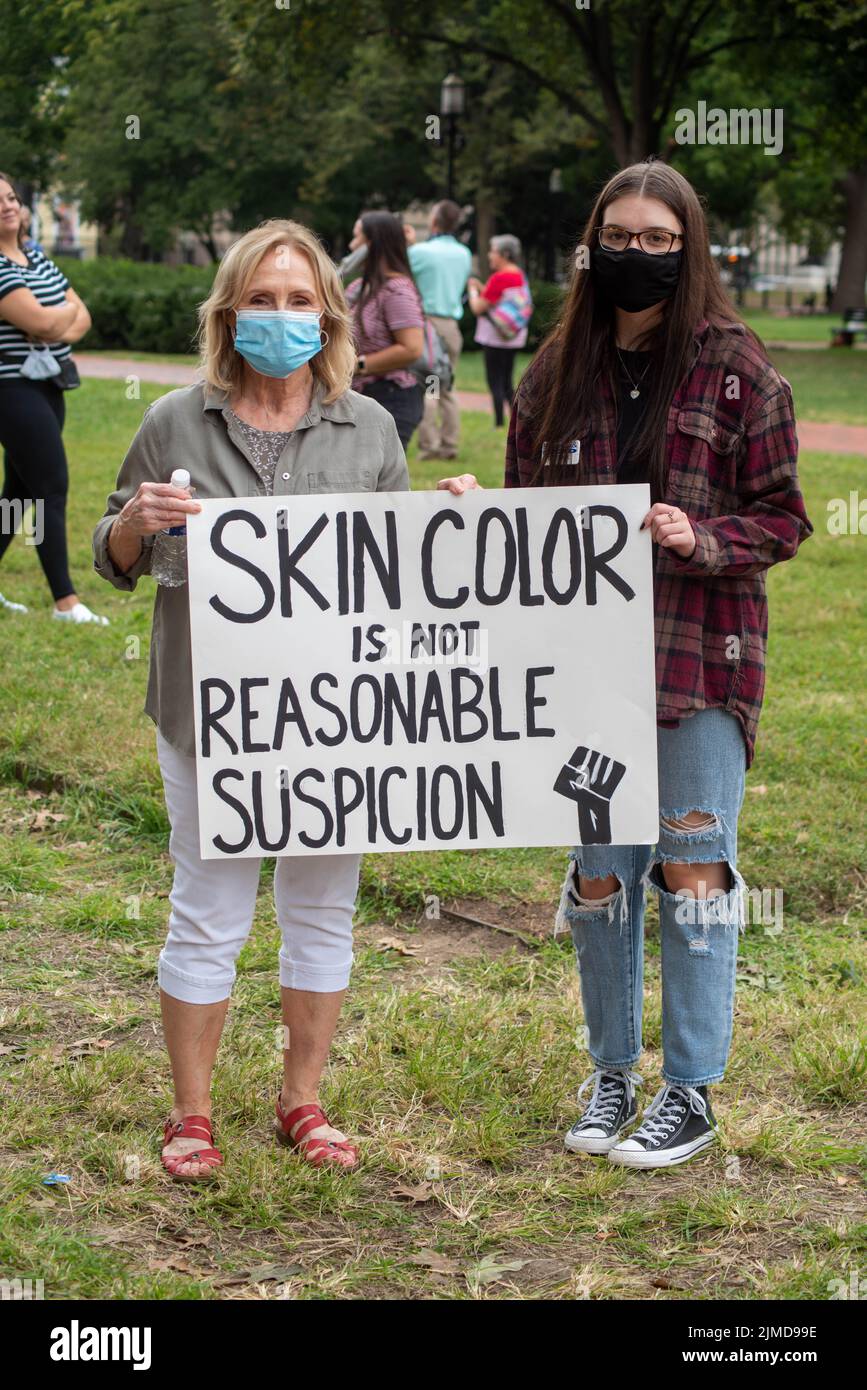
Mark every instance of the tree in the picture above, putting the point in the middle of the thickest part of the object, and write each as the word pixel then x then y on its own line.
pixel 149 119
pixel 35 46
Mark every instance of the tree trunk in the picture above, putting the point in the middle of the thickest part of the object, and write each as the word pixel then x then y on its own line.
pixel 849 293
pixel 132 242
pixel 484 232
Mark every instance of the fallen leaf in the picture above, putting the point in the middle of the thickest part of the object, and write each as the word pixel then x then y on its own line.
pixel 492 1268
pixel 175 1262
pixel 42 818
pixel 436 1263
pixel 422 1193
pixel 759 789
pixel 393 943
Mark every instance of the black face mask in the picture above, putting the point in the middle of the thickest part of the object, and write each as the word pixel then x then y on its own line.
pixel 634 280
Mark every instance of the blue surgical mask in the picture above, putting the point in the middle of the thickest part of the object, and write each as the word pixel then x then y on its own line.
pixel 276 342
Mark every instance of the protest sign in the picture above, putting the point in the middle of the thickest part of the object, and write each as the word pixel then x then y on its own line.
pixel 410 671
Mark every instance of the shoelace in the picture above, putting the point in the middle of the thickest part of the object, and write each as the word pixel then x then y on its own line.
pixel 607 1093
pixel 662 1115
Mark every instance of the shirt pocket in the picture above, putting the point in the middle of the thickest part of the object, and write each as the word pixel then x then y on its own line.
pixel 703 462
pixel 359 480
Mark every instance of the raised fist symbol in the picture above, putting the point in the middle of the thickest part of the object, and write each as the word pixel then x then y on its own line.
pixel 591 778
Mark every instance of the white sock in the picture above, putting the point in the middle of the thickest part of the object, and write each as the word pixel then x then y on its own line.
pixel 13 607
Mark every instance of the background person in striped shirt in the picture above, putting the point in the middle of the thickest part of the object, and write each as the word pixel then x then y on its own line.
pixel 38 311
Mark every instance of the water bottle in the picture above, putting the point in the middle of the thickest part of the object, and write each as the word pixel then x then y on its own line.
pixel 169 562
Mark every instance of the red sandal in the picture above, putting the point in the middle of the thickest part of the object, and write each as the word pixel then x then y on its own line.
pixel 313 1149
pixel 192 1127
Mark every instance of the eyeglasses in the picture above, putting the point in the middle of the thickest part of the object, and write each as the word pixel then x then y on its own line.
pixel 656 241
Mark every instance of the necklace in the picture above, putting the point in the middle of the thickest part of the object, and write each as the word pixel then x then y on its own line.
pixel 636 385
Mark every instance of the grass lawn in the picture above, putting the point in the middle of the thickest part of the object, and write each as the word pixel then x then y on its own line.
pixel 828 386
pixel 460 1049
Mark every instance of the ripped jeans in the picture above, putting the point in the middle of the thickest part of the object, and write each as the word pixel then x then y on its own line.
pixel 702 767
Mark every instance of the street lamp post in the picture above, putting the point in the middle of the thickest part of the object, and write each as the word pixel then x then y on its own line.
pixel 452 92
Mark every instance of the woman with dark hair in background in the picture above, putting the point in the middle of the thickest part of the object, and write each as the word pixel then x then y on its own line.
pixel 40 315
pixel 649 376
pixel 389 321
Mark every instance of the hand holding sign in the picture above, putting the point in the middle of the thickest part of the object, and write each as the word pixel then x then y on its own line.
pixel 464 482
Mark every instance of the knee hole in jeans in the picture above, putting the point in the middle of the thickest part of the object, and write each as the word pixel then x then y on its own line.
pixel 697 880
pixel 597 889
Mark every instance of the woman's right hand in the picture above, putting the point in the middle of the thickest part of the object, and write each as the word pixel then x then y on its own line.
pixel 465 482
pixel 155 507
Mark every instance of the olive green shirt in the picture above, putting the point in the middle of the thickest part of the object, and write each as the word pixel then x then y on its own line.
pixel 349 445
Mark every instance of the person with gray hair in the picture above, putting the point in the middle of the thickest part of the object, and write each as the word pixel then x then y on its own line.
pixel 502 308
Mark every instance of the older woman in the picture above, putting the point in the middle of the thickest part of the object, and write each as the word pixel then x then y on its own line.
pixel 274 415
pixel 506 274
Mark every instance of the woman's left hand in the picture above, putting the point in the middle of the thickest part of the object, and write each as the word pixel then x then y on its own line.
pixel 670 528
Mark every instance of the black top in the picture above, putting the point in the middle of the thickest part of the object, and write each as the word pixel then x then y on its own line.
pixel 633 371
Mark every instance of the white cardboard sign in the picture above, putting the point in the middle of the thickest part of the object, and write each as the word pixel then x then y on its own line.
pixel 416 671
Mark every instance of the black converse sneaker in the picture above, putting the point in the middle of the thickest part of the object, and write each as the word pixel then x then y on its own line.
pixel 677 1125
pixel 610 1109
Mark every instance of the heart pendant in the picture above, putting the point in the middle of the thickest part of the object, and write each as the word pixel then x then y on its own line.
pixel 635 394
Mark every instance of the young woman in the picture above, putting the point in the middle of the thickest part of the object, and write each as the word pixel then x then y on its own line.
pixel 651 372
pixel 40 316
pixel 506 274
pixel 388 321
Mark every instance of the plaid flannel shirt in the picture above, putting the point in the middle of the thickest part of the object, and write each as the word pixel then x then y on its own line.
pixel 732 454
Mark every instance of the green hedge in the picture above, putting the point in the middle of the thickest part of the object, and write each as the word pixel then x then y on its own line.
pixel 146 307
pixel 139 306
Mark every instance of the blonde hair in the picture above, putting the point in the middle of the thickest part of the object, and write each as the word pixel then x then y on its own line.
pixel 221 365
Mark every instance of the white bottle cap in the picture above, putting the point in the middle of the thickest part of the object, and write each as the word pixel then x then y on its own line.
pixel 180 478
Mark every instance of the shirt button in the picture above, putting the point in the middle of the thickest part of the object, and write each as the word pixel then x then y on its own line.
pixel 285 477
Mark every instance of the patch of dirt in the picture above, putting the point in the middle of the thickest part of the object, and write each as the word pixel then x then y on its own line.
pixel 430 945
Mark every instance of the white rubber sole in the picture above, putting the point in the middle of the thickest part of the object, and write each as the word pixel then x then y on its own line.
pixel 584 1144
pixel 667 1158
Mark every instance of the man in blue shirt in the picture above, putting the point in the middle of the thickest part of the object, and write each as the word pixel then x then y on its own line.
pixel 441 267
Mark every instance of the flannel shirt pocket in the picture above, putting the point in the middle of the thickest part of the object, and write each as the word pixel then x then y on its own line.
pixel 703 462
pixel 704 425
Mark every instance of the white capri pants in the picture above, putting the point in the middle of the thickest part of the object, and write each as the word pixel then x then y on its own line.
pixel 213 902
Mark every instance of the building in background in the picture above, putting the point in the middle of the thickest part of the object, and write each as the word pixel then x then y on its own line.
pixel 58 228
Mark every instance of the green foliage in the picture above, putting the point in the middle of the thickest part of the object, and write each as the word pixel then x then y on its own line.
pixel 141 306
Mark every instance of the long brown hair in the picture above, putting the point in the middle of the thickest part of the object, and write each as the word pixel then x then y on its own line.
pixel 577 362
pixel 22 233
pixel 386 251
